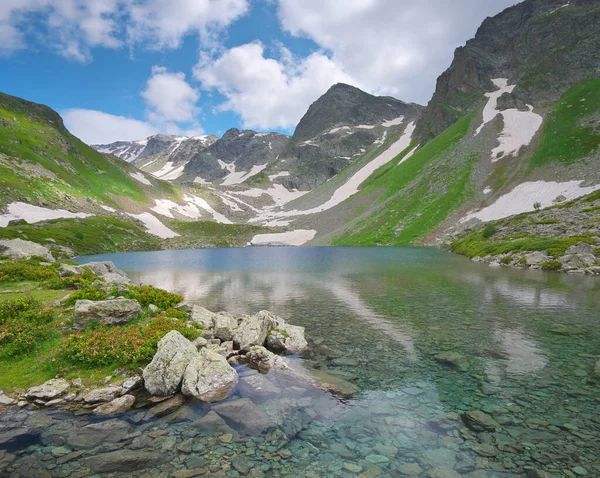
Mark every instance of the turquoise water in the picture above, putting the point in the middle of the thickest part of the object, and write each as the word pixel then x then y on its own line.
pixel 375 318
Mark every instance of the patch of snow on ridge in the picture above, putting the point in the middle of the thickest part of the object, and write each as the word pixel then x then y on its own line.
pixel 200 180
pixel 238 177
pixel 487 190
pixel 393 122
pixel 559 8
pixel 522 198
pixel 365 126
pixel 278 193
pixel 409 154
pixel 291 238
pixel 154 226
pixel 108 208
pixel 340 128
pixel 519 126
pixel 173 174
pixel 141 178
pixel 204 205
pixel 190 209
pixel 33 214
pixel 282 174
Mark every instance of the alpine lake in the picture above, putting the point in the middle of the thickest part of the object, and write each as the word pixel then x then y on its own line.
pixel 442 368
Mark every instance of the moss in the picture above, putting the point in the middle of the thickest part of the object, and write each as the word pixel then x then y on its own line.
pixel 551 266
pixel 488 231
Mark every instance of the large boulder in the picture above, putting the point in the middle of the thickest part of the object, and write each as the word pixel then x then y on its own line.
pixel 67 269
pixel 49 390
pixel 110 312
pixel 209 377
pixel 536 258
pixel 20 249
pixel 287 338
pixel 164 374
pixel 261 359
pixel 253 330
pixel 225 326
pixel 109 272
pixel 578 261
pixel 203 317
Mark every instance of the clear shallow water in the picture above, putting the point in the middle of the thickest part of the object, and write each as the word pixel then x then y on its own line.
pixel 375 318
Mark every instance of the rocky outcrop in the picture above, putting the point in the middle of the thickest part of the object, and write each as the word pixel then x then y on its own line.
pixel 108 272
pixel 163 376
pixel 209 377
pixel 20 249
pixel 109 312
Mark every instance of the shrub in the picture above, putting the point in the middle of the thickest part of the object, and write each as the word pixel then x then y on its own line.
pixel 24 324
pixel 506 259
pixel 146 295
pixel 127 346
pixel 537 206
pixel 551 266
pixel 597 250
pixel 488 231
pixel 86 293
pixel 28 270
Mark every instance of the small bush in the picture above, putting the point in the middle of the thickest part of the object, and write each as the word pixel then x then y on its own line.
pixel 129 345
pixel 522 261
pixel 24 324
pixel 537 206
pixel 146 295
pixel 597 250
pixel 488 231
pixel 506 259
pixel 28 270
pixel 86 293
pixel 551 266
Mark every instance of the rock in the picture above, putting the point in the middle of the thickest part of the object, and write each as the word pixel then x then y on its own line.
pixel 581 248
pixel 479 421
pixel 440 457
pixel 535 473
pixel 67 269
pixel 483 449
pixel 225 326
pixel 411 469
pixel 5 400
pixel 241 463
pixel 20 249
pixel 118 405
pixel 109 272
pixel 334 384
pixel 152 308
pixel 288 339
pixel 110 431
pixel 200 343
pixel 262 360
pixel 164 374
pixel 17 437
pixel 454 359
pixel 124 461
pixel 561 329
pixel 242 412
pixel 202 317
pixel 212 423
pixel 536 258
pixel 167 407
pixel 49 390
pixel 352 468
pixel 102 395
pixel 110 312
pixel 132 383
pixel 377 459
pixel 252 330
pixel 209 377
pixel 258 385
pixel 443 473
pixel 578 261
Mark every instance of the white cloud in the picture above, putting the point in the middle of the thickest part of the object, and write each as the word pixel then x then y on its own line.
pixel 268 93
pixel 170 97
pixel 393 47
pixel 74 27
pixel 96 127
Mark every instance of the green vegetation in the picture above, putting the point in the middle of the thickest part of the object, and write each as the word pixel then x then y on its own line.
pixel 214 234
pixel 146 295
pixel 571 130
pixel 92 235
pixel 551 266
pixel 417 195
pixel 546 221
pixel 488 231
pixel 258 180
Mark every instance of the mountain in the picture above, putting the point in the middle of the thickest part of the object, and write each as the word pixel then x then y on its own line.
pixel 235 157
pixel 337 128
pixel 164 156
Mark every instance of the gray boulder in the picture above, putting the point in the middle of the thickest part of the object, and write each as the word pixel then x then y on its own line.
pixel 164 374
pixel 536 258
pixel 225 326
pixel 109 272
pixel 262 360
pixel 287 338
pixel 479 421
pixel 20 249
pixel 103 395
pixel 67 269
pixel 247 416
pixel 49 390
pixel 578 261
pixel 118 405
pixel 110 312
pixel 453 359
pixel 209 377
pixel 253 329
pixel 203 317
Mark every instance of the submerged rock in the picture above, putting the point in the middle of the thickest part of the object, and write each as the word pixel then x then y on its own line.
pixel 110 312
pixel 247 416
pixel 20 249
pixel 479 421
pixel 164 374
pixel 110 431
pixel 454 359
pixel 109 272
pixel 49 390
pixel 167 407
pixel 124 461
pixel 209 377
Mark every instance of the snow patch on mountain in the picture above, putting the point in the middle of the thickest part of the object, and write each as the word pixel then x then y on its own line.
pixel 141 178
pixel 154 226
pixel 33 214
pixel 290 238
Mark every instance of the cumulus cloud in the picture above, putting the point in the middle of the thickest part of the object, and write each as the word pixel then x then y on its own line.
pixel 266 92
pixel 74 27
pixel 96 127
pixel 393 47
pixel 169 97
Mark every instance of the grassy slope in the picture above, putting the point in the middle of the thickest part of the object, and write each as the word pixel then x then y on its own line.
pixel 418 194
pixel 212 234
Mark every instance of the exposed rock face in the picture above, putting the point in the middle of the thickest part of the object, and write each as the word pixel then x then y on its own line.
pixel 541 48
pixel 209 377
pixel 109 312
pixel 109 272
pixel 72 270
pixel 262 360
pixel 20 249
pixel 164 374
pixel 49 390
pixel 203 317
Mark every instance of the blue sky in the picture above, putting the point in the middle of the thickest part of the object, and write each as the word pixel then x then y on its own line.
pixel 124 69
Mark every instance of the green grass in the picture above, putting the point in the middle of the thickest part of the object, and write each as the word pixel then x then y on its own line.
pixel 419 194
pixel 213 234
pixel 92 235
pixel 571 130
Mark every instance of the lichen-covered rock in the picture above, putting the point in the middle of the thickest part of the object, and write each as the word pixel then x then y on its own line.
pixel 200 342
pixel 103 395
pixel 225 326
pixel 20 249
pixel 109 272
pixel 110 312
pixel 67 269
pixel 262 360
pixel 578 261
pixel 253 329
pixel 49 390
pixel 118 405
pixel 164 374
pixel 536 258
pixel 203 317
pixel 287 338
pixel 209 377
